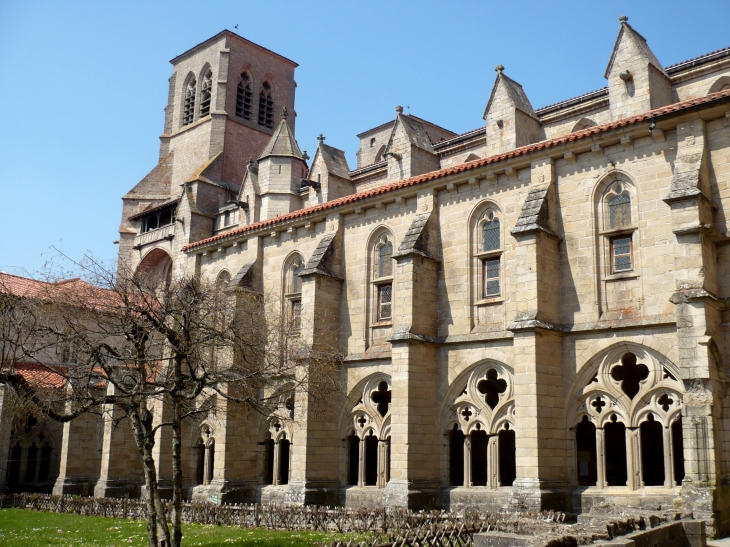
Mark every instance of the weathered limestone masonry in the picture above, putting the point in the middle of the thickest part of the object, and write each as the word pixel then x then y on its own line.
pixel 534 314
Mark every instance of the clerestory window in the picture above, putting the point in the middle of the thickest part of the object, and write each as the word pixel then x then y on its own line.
pixel 205 94
pixel 489 254
pixel 266 105
pixel 244 97
pixel 189 106
pixel 383 278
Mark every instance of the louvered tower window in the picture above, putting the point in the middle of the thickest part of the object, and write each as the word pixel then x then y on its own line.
pixel 206 90
pixel 266 106
pixel 244 97
pixel 189 108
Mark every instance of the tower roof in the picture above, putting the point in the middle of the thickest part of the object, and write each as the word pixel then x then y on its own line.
pixel 514 92
pixel 282 143
pixel 640 42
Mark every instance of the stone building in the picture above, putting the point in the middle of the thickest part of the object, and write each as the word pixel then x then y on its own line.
pixel 534 313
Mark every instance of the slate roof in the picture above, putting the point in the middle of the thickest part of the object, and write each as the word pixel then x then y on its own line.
pixel 335 160
pixel 720 96
pixel 534 213
pixel 319 261
pixel 282 143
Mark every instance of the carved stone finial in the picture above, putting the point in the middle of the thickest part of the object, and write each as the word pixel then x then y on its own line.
pixel 399 109
pixel 305 156
pixel 320 138
pixel 499 69
pixel 623 19
pixel 284 113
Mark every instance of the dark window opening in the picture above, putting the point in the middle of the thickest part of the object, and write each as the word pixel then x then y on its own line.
pixel 284 461
pixel 372 142
pixel 491 277
pixel 354 471
pixel 200 463
pixel 678 450
pixel 456 457
pixel 491 388
pixel 244 97
pixel 269 468
pixel 266 106
pixel 621 255
pixel 381 397
pixel 652 452
pixel 614 438
pixel 45 467
pixel 490 235
pixel 189 107
pixel 211 461
pixel 158 220
pixel 296 314
pixel 31 463
pixel 385 302
pixel 585 440
pixel 630 375
pixel 16 454
pixel 371 460
pixel 206 90
pixel 479 442
pixel 226 218
pixel 507 457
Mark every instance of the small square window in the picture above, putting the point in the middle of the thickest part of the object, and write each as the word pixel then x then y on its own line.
pixel 621 258
pixel 385 302
pixel 491 277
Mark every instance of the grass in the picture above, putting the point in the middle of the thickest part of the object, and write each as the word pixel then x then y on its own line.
pixel 26 528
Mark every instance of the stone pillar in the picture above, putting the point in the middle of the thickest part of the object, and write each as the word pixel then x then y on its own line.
pixel 382 463
pixel 80 456
pixel 600 459
pixel 361 463
pixel 633 459
pixel 668 468
pixel 541 436
pixel 277 463
pixel 699 332
pixel 415 475
pixel 493 462
pixel 467 461
pixel 315 453
pixel 121 473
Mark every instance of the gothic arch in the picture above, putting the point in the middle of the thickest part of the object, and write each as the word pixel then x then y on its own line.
pixel 583 123
pixel 155 268
pixel 206 81
pixel 482 394
pixel 188 99
pixel 720 84
pixel 379 154
pixel 365 401
pixel 599 393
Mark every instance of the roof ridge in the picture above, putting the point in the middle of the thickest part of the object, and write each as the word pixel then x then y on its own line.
pixel 426 177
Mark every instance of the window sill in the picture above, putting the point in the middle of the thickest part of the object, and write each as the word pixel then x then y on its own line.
pixel 619 231
pixel 384 323
pixel 622 276
pixel 490 301
pixel 488 254
pixel 383 280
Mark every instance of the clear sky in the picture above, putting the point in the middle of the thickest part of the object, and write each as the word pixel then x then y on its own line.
pixel 83 84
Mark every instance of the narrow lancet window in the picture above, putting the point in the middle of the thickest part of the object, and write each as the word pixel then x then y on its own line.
pixel 266 106
pixel 619 210
pixel 385 259
pixel 244 97
pixel 490 235
pixel 206 90
pixel 189 108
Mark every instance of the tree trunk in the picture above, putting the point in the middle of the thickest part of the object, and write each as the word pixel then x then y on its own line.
pixel 156 519
pixel 176 470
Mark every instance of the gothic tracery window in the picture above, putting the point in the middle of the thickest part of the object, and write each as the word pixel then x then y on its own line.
pixel 635 402
pixel 244 97
pixel 278 442
pixel 368 436
pixel 189 104
pixel 489 254
pixel 619 228
pixel 206 90
pixel 383 277
pixel 479 422
pixel 266 105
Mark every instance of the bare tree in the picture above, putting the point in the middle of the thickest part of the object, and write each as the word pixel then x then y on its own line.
pixel 136 340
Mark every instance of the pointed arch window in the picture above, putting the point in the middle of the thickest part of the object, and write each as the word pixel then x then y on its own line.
pixel 244 97
pixel 293 292
pixel 206 90
pixel 489 254
pixel 383 278
pixel 266 106
pixel 618 228
pixel 189 106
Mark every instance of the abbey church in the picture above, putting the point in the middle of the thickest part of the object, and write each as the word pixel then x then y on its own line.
pixel 534 314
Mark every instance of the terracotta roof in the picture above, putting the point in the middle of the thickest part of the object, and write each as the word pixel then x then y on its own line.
pixel 25 287
pixel 41 376
pixel 433 175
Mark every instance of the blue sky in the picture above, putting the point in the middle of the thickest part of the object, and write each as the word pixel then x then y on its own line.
pixel 84 84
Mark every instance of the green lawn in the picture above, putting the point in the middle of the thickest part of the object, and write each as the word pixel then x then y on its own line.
pixel 21 528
